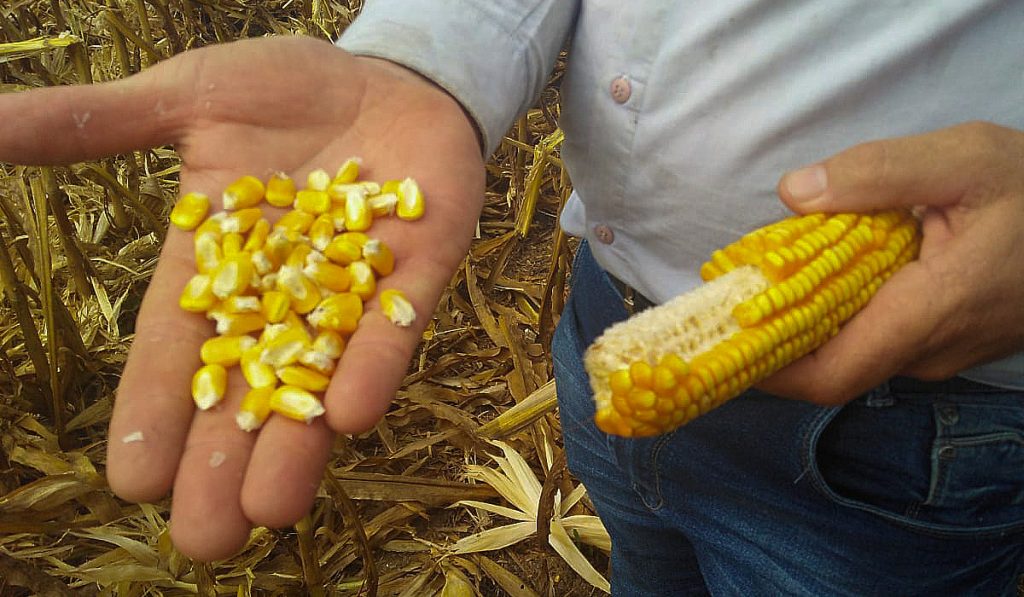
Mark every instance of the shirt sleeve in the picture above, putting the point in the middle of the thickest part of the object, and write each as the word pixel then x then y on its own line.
pixel 493 57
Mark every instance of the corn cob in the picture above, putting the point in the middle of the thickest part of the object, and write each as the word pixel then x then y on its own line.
pixel 772 297
pixel 269 287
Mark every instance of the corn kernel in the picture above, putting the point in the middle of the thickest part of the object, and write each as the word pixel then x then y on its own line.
pixel 232 276
pixel 225 351
pixel 208 253
pixel 383 204
pixel 329 343
pixel 303 377
pixel 254 409
pixel 283 344
pixel 197 296
pixel 296 222
pixel 348 172
pixel 274 305
pixel 338 313
pixel 312 202
pixel 318 180
pixel 343 251
pixel 379 256
pixel 208 386
pixel 317 361
pixel 337 216
pixel 242 220
pixel 410 200
pixel 241 304
pixel 397 307
pixel 190 210
pixel 236 324
pixel 257 373
pixel 303 291
pixel 363 284
pixel 358 216
pixel 321 232
pixel 212 226
pixel 295 403
pixel 280 190
pixel 231 244
pixel 247 191
pixel 257 236
pixel 328 275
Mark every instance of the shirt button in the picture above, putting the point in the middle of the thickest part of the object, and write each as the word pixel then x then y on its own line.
pixel 621 90
pixel 604 234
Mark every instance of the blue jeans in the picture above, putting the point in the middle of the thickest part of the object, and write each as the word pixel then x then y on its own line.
pixel 913 489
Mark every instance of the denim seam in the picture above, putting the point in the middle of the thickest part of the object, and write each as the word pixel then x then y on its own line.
pixel 656 469
pixel 817 427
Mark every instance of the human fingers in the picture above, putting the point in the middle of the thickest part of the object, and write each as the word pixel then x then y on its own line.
pixel 61 125
pixel 936 169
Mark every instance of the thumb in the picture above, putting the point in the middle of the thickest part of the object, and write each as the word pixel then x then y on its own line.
pixel 929 169
pixel 60 125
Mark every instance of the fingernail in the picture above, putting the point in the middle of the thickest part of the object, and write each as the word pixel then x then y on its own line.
pixel 807 183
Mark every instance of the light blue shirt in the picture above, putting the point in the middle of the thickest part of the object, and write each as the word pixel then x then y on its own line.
pixel 681 116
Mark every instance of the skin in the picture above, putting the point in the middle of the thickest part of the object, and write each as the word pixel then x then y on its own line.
pixel 314 106
pixel 224 123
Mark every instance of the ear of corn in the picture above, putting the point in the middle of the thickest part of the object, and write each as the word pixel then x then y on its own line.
pixel 770 298
pixel 309 271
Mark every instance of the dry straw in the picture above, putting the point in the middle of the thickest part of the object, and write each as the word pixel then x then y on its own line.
pixel 78 245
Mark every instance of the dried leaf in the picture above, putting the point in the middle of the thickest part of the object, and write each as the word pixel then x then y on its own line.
pixel 560 540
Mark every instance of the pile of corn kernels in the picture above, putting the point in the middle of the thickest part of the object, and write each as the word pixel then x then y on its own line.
pixel 286 296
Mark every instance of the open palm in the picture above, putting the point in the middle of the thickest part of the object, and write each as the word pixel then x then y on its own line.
pixel 254 107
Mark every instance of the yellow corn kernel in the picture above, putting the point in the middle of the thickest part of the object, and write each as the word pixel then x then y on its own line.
pixel 771 297
pixel 197 296
pixel 397 307
pixel 257 236
pixel 225 351
pixel 337 216
pixel 303 377
pixel 278 247
pixel 232 276
pixel 241 304
pixel 321 232
pixel 329 343
pixel 358 216
pixel 280 190
pixel 379 256
pixel 317 361
pixel 363 284
pixel 295 403
pixel 343 251
pixel 242 220
pixel 274 305
pixel 231 244
pixel 328 275
pixel 283 344
pixel 255 409
pixel 297 257
pixel 208 386
pixel 304 293
pixel 296 222
pixel 410 200
pixel 247 191
pixel 339 313
pixel 208 253
pixel 312 202
pixel 212 226
pixel 383 204
pixel 190 210
pixel 237 324
pixel 348 172
pixel 391 186
pixel 257 373
pixel 318 180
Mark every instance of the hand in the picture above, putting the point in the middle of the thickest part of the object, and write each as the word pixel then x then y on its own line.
pixel 253 107
pixel 959 304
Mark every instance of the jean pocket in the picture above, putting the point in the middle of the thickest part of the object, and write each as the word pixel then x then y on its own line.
pixel 950 464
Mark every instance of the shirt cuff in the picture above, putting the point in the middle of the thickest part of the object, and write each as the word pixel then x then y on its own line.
pixel 493 57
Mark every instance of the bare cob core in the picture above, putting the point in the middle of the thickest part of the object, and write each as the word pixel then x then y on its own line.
pixel 771 297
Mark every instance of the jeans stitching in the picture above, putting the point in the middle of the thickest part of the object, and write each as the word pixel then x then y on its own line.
pixel 810 468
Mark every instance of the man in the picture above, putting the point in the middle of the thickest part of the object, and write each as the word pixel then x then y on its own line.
pixel 679 118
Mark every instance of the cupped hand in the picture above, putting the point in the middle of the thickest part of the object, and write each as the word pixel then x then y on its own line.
pixel 255 107
pixel 960 303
